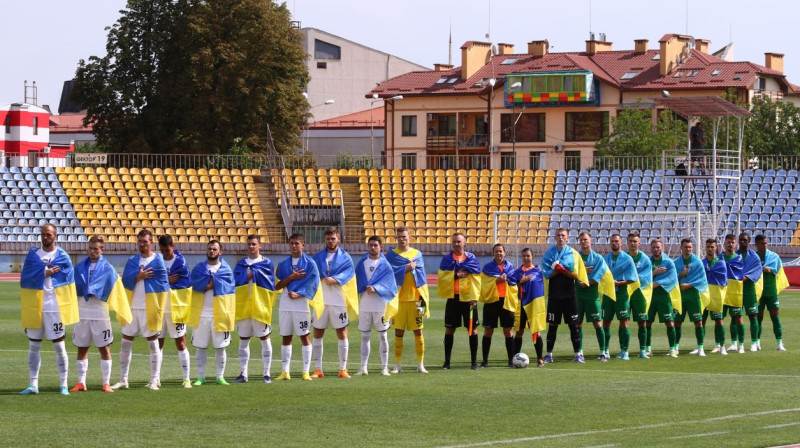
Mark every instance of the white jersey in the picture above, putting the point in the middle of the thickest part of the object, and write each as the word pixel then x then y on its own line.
pixel 332 295
pixel 208 296
pixel 90 307
pixel 287 304
pixel 138 302
pixel 49 303
pixel 371 302
pixel 250 261
pixel 169 263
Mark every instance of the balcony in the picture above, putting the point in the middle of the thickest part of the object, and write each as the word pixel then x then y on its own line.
pixel 465 141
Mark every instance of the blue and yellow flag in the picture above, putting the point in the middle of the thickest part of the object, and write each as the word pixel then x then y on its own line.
pixel 32 288
pixel 469 287
pixel 668 280
pixel 623 269
pixel 224 302
pixel 531 297
pixel 382 280
pixel 601 275
pixel 696 277
pixel 567 257
pixel 734 269
pixel 342 270
pixel 644 268
pixel 773 262
pixel 254 300
pixel 399 262
pixel 717 275
pixel 753 270
pixel 156 288
pixel 308 286
pixel 104 284
pixel 489 291
pixel 180 292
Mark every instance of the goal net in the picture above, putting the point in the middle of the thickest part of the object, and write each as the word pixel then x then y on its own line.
pixel 535 230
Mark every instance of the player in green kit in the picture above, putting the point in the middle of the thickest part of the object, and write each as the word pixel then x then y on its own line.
pixel 693 283
pixel 640 298
pixel 751 273
pixel 717 275
pixel 665 292
pixel 624 272
pixel 589 293
pixel 774 282
pixel 733 294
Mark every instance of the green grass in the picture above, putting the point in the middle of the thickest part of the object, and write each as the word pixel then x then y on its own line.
pixel 738 400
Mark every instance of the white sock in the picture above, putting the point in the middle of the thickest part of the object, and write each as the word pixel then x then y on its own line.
pixel 62 361
pixel 221 357
pixel 344 347
pixel 365 348
pixel 244 355
pixel 266 355
pixel 34 361
pixel 155 359
pixel 383 339
pixel 124 359
pixel 105 370
pixel 201 358
pixel 306 350
pixel 82 365
pixel 183 358
pixel 286 357
pixel 316 351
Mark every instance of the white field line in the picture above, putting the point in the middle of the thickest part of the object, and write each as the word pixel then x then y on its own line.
pixel 705 434
pixel 781 425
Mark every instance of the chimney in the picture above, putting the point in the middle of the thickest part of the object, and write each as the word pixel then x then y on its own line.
pixel 538 47
pixel 671 47
pixel 504 49
pixel 774 61
pixel 597 46
pixel 442 67
pixel 474 55
pixel 702 45
pixel 640 46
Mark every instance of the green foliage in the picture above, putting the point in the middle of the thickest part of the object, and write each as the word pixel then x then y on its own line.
pixel 773 128
pixel 634 134
pixel 300 161
pixel 190 76
pixel 346 160
pixel 87 148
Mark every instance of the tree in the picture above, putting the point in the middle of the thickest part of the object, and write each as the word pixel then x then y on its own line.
pixel 773 128
pixel 193 76
pixel 633 134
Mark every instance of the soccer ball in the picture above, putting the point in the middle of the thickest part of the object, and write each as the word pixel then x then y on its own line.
pixel 520 360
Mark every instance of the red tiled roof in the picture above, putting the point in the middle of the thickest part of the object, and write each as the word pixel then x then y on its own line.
pixel 69 122
pixel 359 119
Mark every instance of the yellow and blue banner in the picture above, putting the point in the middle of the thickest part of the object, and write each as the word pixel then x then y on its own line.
pixel 224 291
pixel 180 292
pixel 734 271
pixel 382 280
pixel 469 287
pixel 773 262
pixel 342 270
pixel 753 270
pixel 668 280
pixel 567 257
pixel 399 263
pixel 254 300
pixel 623 269
pixel 156 288
pixel 531 296
pixel 717 276
pixel 489 292
pixel 32 288
pixel 695 277
pixel 601 275
pixel 308 286
pixel 644 268
pixel 105 284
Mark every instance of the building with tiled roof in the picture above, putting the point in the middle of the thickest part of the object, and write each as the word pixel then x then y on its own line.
pixel 360 134
pixel 538 109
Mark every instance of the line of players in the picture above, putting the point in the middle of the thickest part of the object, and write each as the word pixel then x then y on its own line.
pixel 392 289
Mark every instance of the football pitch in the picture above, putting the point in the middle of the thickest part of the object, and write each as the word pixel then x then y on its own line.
pixel 739 400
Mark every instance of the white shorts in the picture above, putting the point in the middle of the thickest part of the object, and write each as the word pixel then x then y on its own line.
pixel 294 322
pixel 52 328
pixel 248 328
pixel 204 333
pixel 336 316
pixel 169 327
pixel 88 332
pixel 138 326
pixel 368 319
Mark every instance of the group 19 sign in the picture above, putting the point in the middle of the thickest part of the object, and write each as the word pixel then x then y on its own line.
pixel 91 158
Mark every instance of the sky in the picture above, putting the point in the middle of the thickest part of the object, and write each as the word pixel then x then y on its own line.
pixel 43 41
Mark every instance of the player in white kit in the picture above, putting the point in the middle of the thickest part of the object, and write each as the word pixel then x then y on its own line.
pixel 176 310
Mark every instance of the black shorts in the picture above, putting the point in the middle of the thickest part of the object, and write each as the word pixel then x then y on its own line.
pixel 494 312
pixel 566 308
pixel 523 319
pixel 457 314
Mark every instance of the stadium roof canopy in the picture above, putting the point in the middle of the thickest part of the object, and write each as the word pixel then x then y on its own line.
pixel 702 106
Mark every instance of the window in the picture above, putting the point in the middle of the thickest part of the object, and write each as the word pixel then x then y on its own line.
pixel 693 73
pixel 629 75
pixel 530 128
pixel 572 160
pixel 408 161
pixel 509 61
pixel 656 56
pixel 537 160
pixel 35 125
pixel 508 161
pixel 324 50
pixel 409 125
pixel 447 124
pixel 586 126
pixel 441 81
pixel 761 84
pixel 8 124
pixel 738 76
pixel 716 72
pixel 321 64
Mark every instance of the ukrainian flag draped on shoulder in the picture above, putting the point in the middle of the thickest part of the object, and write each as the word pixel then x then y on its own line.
pixel 399 263
pixel 734 271
pixel 489 294
pixel 342 270
pixel 308 286
pixel 254 300
pixel 105 284
pixel 669 281
pixel 601 275
pixel 645 270
pixel 531 297
pixel 156 288
pixel 180 292
pixel 567 257
pixel 717 275
pixel 773 262
pixel 382 280
pixel 753 270
pixel 224 295
pixel 624 269
pixel 696 277
pixel 469 287
pixel 32 288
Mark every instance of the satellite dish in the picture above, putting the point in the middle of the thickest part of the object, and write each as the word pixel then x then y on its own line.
pixel 558 148
pixel 494 50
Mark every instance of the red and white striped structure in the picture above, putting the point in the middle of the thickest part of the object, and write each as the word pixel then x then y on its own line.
pixel 25 137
